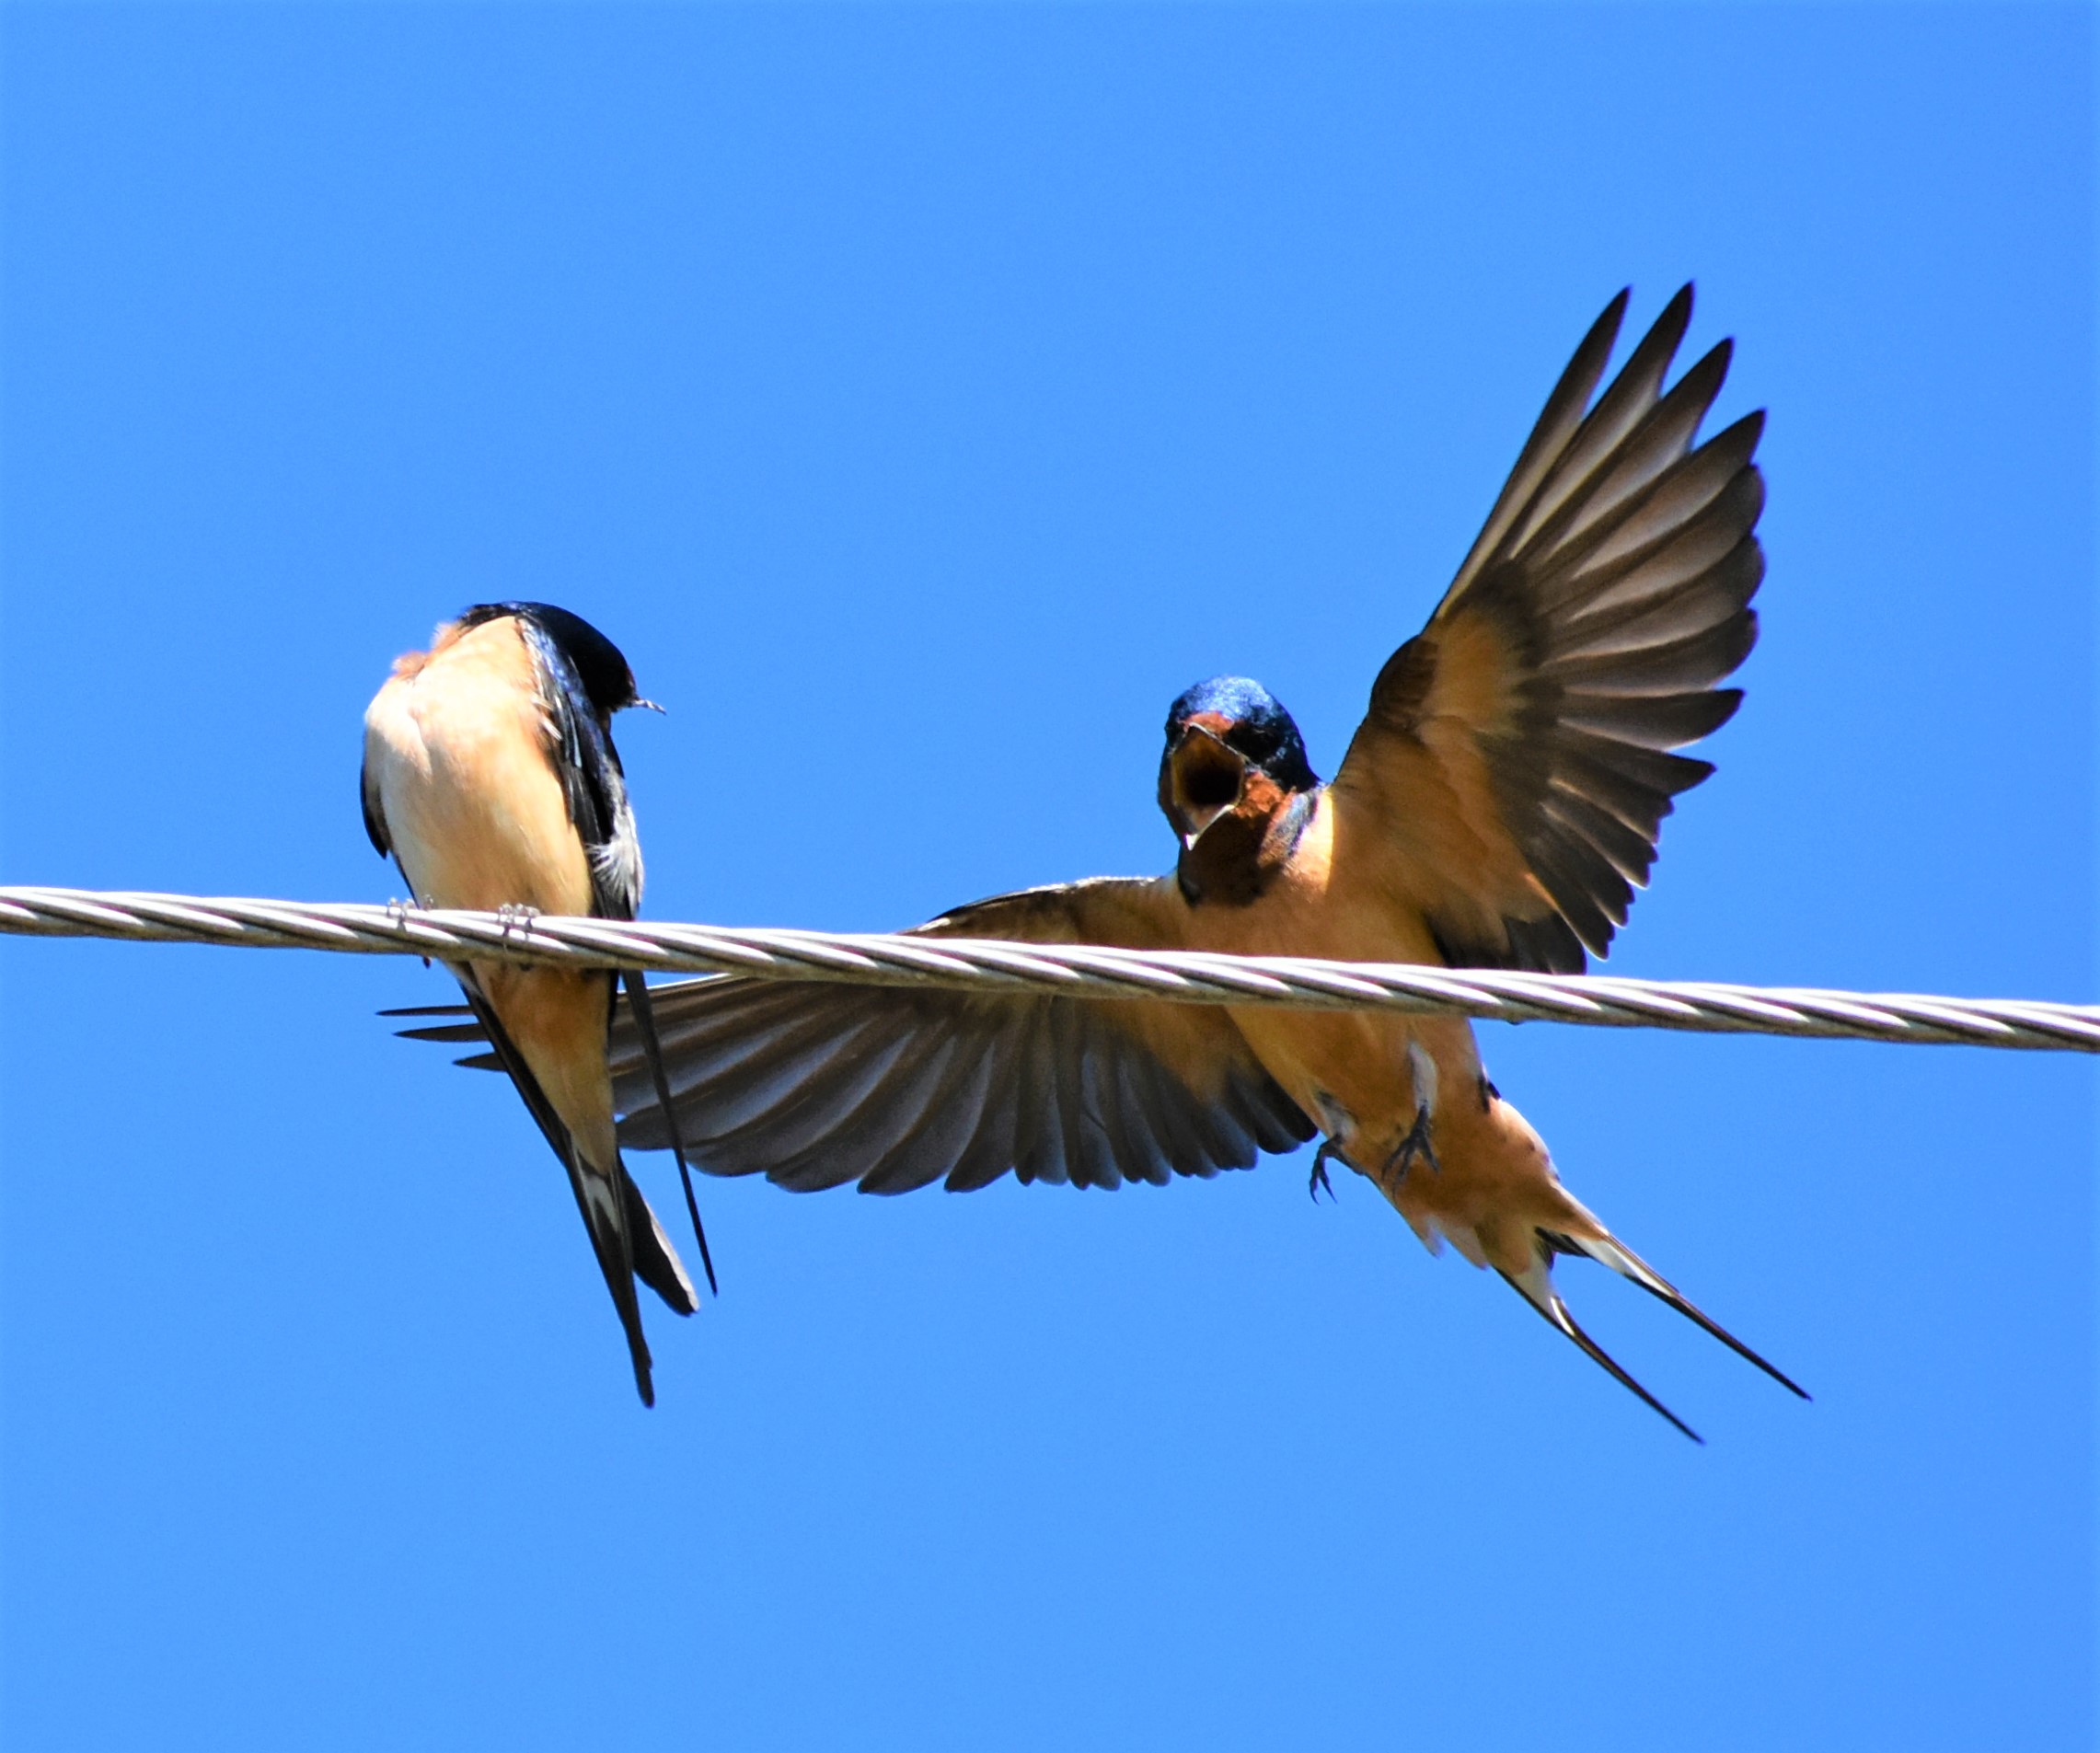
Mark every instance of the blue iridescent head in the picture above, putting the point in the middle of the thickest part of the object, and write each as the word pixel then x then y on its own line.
pixel 1248 720
pixel 1231 750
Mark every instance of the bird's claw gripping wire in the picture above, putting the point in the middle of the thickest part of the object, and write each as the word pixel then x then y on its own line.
pixel 1318 1181
pixel 515 918
pixel 1416 1144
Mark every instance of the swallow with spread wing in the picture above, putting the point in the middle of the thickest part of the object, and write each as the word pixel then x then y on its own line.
pixel 1498 808
pixel 491 778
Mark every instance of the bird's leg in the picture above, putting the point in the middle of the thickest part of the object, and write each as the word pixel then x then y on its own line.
pixel 398 910
pixel 1422 1070
pixel 1319 1181
pixel 515 918
pixel 1416 1144
pixel 1336 1124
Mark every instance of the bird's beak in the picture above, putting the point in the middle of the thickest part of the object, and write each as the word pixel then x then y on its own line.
pixel 1209 782
pixel 647 706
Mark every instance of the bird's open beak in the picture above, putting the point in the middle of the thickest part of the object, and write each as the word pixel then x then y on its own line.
pixel 1209 782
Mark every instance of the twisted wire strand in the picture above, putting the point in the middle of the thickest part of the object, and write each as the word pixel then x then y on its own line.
pixel 1073 971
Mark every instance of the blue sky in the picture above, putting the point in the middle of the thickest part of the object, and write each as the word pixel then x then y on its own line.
pixel 903 390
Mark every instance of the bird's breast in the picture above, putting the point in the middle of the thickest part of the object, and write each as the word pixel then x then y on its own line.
pixel 1327 899
pixel 1364 1076
pixel 459 755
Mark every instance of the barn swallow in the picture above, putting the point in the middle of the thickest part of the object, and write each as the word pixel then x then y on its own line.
pixel 490 776
pixel 1498 806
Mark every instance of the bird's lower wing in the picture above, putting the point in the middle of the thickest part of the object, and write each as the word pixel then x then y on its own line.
pixel 818 1084
pixel 1515 767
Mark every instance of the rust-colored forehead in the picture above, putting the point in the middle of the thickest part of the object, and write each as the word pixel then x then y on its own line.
pixel 411 665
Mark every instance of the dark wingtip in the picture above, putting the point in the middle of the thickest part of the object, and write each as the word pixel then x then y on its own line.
pixel 1745 434
pixel 1727 701
pixel 700 1235
pixel 1666 334
pixel 1716 360
pixel 1604 331
pixel 644 1015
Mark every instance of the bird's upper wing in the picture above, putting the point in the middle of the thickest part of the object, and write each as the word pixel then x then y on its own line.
pixel 1515 762
pixel 589 768
pixel 814 1085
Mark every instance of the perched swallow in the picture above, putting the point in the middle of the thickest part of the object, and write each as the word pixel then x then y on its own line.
pixel 490 776
pixel 1498 808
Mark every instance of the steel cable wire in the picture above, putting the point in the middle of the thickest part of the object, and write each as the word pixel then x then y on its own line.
pixel 1075 971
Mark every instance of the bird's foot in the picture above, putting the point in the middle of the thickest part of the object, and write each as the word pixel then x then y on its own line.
pixel 398 910
pixel 1318 1183
pixel 1416 1144
pixel 515 918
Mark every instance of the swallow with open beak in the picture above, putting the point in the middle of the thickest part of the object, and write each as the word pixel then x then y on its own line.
pixel 1498 806
pixel 491 778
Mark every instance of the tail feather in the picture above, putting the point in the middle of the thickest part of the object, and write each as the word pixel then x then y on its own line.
pixel 656 1262
pixel 605 1213
pixel 605 1218
pixel 1609 1251
pixel 1537 1288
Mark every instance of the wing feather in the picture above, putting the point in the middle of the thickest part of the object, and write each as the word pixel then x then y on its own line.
pixel 1578 488
pixel 592 781
pixel 1557 424
pixel 815 1085
pixel 1516 757
pixel 995 1146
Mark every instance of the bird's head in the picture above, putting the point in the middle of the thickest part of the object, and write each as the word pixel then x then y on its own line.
pixel 608 682
pixel 1233 769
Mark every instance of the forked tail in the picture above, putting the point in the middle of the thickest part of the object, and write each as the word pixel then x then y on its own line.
pixel 1537 1286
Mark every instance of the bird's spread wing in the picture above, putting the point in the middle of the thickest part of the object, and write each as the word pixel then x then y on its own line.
pixel 1516 761
pixel 816 1085
pixel 589 768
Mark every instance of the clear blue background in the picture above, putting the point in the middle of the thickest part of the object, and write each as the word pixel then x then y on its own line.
pixel 922 399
